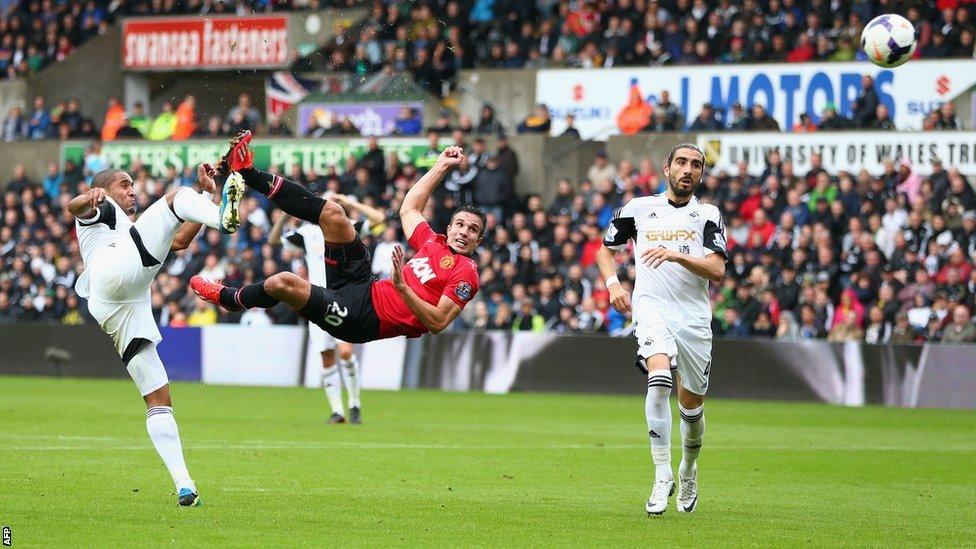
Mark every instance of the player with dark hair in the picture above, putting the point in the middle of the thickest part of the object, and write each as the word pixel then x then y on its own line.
pixel 681 244
pixel 356 307
pixel 121 259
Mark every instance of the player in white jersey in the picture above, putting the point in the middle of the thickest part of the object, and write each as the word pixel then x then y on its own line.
pixel 309 239
pixel 121 258
pixel 681 245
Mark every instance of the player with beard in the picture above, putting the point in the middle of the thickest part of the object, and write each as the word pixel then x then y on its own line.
pixel 681 245
pixel 426 296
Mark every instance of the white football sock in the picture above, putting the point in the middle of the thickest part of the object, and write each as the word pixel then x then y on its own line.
pixel 657 408
pixel 692 429
pixel 350 378
pixel 332 383
pixel 165 437
pixel 196 208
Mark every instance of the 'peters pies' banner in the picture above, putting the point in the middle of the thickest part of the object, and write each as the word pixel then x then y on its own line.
pixel 841 151
pixel 187 43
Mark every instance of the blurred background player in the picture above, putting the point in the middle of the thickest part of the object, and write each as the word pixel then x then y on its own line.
pixel 121 258
pixel 308 239
pixel 681 244
pixel 427 297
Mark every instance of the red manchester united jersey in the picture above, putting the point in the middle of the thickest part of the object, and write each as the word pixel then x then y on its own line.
pixel 433 272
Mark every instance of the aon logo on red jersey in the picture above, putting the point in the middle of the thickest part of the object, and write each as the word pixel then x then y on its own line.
pixel 421 269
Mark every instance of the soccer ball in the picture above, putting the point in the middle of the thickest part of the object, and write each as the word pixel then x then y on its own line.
pixel 889 40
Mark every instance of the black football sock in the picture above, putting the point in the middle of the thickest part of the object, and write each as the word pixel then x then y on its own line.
pixel 291 197
pixel 248 297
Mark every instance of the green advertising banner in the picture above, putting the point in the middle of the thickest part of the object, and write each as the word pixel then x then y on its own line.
pixel 310 154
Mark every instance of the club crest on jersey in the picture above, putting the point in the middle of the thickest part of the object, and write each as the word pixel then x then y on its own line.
pixel 447 262
pixel 463 291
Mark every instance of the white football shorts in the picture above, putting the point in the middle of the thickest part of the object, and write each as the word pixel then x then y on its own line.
pixel 319 340
pixel 687 343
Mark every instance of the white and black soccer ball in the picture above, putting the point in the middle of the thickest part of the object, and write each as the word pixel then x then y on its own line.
pixel 889 40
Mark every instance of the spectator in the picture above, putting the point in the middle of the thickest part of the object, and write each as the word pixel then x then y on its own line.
pixel 882 120
pixel 507 159
pixel 242 115
pixel 705 121
pixel 738 120
pixel 830 120
pixel 675 118
pixel 846 329
pixel 570 130
pixel 407 122
pixel 488 122
pixel 114 115
pixel 139 119
pixel 15 125
pixel 126 131
pixel 277 128
pixel 762 121
pixel 961 329
pixel 493 189
pixel 537 122
pixel 39 125
pixel 879 330
pixel 805 125
pixel 186 119
pixel 762 326
pixel 947 117
pixel 164 125
pixel 866 105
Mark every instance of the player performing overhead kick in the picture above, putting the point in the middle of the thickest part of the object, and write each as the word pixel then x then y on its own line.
pixel 121 258
pixel 355 307
pixel 681 245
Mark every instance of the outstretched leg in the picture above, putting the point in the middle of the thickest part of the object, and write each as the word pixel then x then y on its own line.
pixel 291 197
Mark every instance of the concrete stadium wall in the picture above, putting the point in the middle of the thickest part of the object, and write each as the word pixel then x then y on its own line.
pixel 511 92
pixel 91 74
pixel 13 93
pixel 34 155
pixel 655 146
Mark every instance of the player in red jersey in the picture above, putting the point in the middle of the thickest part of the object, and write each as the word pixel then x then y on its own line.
pixel 424 295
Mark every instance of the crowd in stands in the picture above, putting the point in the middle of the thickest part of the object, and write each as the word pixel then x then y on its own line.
pixel 434 39
pixel 173 122
pixel 816 255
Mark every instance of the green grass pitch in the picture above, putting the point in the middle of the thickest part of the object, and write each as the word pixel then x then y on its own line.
pixel 442 469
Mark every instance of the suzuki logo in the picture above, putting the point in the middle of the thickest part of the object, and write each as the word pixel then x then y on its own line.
pixel 578 92
pixel 942 85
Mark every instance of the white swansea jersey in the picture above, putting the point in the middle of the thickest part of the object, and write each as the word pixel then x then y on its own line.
pixel 694 228
pixel 309 239
pixel 104 230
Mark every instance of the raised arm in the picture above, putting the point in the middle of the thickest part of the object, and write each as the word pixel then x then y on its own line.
pixel 374 215
pixel 412 209
pixel 84 206
pixel 274 237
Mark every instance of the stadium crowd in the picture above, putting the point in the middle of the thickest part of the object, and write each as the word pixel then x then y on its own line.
pixel 874 257
pixel 434 39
